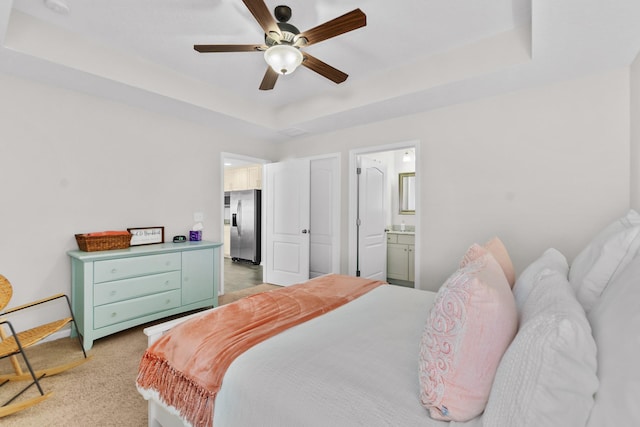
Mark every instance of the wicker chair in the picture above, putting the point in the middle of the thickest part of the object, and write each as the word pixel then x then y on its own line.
pixel 13 343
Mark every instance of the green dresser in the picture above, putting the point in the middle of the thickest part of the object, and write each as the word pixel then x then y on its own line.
pixel 116 290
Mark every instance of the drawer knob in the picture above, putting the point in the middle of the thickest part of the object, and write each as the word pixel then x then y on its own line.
pixel 113 293
pixel 114 314
pixel 168 301
pixel 167 263
pixel 186 279
pixel 114 271
pixel 167 283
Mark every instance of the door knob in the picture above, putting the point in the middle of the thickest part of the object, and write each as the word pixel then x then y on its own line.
pixel 305 231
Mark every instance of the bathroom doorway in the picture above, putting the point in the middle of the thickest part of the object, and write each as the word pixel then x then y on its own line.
pixel 401 206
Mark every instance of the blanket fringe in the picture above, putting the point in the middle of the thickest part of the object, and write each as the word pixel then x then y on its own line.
pixel 195 403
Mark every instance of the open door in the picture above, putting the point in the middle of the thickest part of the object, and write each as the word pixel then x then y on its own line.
pixel 371 234
pixel 287 199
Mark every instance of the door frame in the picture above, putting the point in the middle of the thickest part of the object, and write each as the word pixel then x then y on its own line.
pixel 352 214
pixel 254 160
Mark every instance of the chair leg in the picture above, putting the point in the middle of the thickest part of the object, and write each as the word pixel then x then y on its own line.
pixel 20 375
pixel 13 359
pixel 15 407
pixel 9 408
pixel 24 356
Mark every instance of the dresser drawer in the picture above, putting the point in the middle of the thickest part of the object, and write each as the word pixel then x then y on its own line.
pixel 109 292
pixel 110 314
pixel 114 269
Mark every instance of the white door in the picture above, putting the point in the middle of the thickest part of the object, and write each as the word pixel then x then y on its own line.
pixel 287 222
pixel 371 234
pixel 324 248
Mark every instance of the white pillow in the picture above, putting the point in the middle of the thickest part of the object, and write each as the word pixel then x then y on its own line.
pixel 547 376
pixel 615 320
pixel 550 261
pixel 605 257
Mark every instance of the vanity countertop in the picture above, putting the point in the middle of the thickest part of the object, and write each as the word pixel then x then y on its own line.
pixel 401 232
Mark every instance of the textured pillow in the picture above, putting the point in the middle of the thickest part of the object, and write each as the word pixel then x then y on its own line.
pixel 550 261
pixel 474 252
pixel 604 257
pixel 615 320
pixel 499 252
pixel 547 376
pixel 470 325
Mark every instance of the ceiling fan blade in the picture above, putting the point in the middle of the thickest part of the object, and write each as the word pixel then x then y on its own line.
pixel 340 25
pixel 207 48
pixel 269 79
pixel 323 69
pixel 261 13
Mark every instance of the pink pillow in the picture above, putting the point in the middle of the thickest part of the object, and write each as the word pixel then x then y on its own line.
pixel 471 324
pixel 499 252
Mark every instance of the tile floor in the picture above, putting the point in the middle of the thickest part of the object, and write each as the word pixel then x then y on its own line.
pixel 240 275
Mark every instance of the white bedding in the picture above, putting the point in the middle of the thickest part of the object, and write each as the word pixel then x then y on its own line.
pixel 357 365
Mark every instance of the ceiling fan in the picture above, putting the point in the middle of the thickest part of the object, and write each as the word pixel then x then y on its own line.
pixel 282 42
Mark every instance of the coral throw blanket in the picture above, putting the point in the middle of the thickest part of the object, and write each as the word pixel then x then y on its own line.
pixel 186 366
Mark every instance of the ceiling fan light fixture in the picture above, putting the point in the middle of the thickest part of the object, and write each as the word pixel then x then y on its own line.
pixel 283 58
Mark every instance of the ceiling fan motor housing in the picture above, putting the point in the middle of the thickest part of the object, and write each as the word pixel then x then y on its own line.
pixel 287 35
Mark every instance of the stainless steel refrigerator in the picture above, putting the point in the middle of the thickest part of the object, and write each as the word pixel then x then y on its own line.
pixel 245 225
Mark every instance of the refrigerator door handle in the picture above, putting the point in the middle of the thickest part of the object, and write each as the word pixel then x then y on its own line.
pixel 239 219
pixel 234 223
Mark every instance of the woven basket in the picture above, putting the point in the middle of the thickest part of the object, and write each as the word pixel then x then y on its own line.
pixel 89 243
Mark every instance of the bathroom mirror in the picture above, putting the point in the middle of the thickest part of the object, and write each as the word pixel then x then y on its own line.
pixel 407 190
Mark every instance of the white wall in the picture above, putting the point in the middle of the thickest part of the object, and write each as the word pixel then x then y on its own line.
pixel 541 167
pixel 72 163
pixel 635 133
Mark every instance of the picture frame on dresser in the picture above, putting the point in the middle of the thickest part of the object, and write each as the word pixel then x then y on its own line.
pixel 146 235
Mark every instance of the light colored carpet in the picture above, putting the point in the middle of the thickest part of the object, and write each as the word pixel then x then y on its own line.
pixel 101 392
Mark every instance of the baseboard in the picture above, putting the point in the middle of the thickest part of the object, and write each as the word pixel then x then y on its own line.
pixel 64 333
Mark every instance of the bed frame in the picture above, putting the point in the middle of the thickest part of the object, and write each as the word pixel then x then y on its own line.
pixel 160 416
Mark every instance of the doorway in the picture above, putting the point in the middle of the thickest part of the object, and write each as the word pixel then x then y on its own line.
pixel 240 175
pixel 302 219
pixel 401 231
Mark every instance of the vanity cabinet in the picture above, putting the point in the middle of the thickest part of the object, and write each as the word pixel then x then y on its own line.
pixel 400 256
pixel 116 290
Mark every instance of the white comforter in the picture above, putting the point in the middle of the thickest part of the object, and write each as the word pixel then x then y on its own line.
pixel 357 365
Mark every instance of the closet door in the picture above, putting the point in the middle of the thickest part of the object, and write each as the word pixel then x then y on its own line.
pixel 287 191
pixel 324 249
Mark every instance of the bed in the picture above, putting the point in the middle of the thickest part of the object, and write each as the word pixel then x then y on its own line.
pixel 554 347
